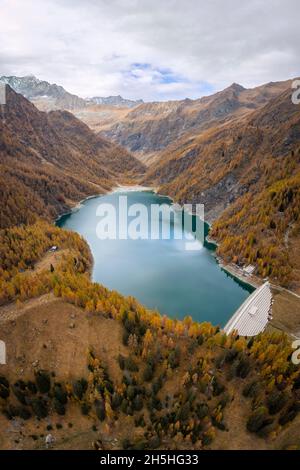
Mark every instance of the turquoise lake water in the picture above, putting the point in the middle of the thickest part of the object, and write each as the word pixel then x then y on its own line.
pixel 161 274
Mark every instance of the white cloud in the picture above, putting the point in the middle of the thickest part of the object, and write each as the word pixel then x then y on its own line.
pixel 191 46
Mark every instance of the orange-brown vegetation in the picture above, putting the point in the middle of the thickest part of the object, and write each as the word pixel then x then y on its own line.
pixel 254 230
pixel 174 384
pixel 178 381
pixel 150 128
pixel 247 175
pixel 50 160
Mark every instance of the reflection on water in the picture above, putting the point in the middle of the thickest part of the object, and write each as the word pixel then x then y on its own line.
pixel 161 274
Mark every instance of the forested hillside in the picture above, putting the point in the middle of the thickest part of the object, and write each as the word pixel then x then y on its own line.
pixel 250 169
pixel 150 128
pixel 48 161
pixel 245 170
pixel 167 383
pixel 142 380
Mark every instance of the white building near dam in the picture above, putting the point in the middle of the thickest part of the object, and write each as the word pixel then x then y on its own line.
pixel 253 315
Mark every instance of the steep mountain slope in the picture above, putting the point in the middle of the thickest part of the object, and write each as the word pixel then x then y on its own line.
pixel 151 127
pixel 100 117
pixel 50 160
pixel 251 166
pixel 44 95
pixel 103 369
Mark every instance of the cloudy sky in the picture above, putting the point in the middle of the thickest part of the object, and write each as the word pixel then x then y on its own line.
pixel 150 49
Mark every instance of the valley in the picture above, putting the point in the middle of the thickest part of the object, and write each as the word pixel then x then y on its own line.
pixel 51 161
pixel 225 151
pixel 150 269
pixel 144 380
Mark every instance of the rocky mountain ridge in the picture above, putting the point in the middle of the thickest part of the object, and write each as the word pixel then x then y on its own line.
pixel 117 101
pixel 44 95
pixel 49 96
pixel 51 160
pixel 150 128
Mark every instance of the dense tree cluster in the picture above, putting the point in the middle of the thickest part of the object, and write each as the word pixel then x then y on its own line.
pixel 246 173
pixel 22 247
pixel 49 160
pixel 178 378
pixel 258 229
pixel 31 191
pixel 185 405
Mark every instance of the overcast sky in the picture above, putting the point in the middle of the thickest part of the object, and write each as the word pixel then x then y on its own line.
pixel 150 49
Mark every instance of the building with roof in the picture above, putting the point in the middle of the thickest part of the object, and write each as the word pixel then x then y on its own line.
pixel 248 270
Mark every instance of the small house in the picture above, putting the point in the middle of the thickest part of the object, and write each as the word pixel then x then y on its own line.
pixel 248 270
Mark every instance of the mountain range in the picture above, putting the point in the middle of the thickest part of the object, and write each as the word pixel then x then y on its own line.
pixel 47 96
pixel 117 101
pixel 246 171
pixel 44 95
pixel 102 371
pixel 236 151
pixel 51 160
pixel 152 127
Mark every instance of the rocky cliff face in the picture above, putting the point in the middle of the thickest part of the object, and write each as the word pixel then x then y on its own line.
pixel 116 101
pixel 215 164
pixel 44 95
pixel 47 96
pixel 151 127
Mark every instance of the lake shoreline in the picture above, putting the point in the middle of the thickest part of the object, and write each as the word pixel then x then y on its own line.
pixel 230 269
pixel 193 267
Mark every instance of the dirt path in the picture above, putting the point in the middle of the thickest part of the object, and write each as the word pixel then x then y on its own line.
pixel 287 234
pixel 12 311
pixel 53 258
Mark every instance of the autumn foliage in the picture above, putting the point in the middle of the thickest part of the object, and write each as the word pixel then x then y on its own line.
pixel 178 378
